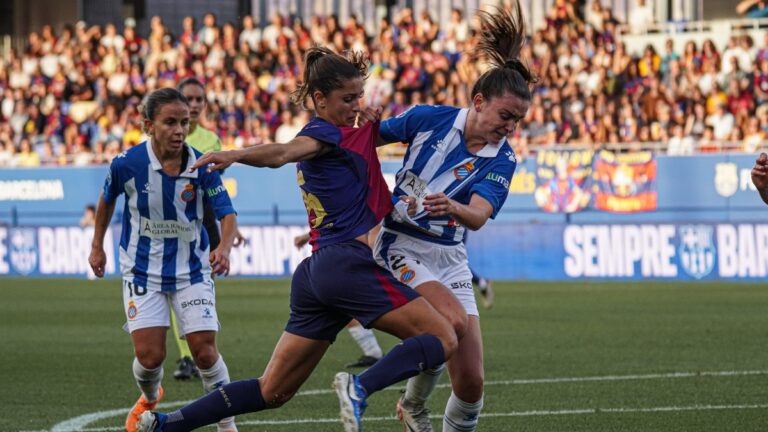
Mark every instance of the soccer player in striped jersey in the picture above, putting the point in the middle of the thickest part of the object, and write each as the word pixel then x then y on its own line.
pixel 165 256
pixel 345 195
pixel 458 166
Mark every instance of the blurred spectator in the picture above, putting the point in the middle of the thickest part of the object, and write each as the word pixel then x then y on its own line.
pixel 89 216
pixel 752 8
pixel 640 17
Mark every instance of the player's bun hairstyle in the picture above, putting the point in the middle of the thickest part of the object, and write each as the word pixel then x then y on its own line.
pixel 326 71
pixel 189 81
pixel 158 98
pixel 502 36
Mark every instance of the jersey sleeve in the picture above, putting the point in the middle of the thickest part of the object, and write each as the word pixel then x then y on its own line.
pixel 322 131
pixel 215 192
pixel 494 186
pixel 115 181
pixel 404 127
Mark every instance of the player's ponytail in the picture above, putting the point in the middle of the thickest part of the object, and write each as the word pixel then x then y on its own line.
pixel 502 37
pixel 324 70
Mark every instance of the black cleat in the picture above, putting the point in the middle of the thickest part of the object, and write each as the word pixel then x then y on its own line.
pixel 186 369
pixel 364 361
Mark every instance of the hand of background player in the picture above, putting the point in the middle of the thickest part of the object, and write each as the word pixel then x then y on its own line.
pixel 438 204
pixel 218 160
pixel 300 240
pixel 368 115
pixel 98 260
pixel 219 261
pixel 760 172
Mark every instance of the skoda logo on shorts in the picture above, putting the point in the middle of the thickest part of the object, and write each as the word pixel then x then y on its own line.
pixel 132 311
pixel 188 194
pixel 406 274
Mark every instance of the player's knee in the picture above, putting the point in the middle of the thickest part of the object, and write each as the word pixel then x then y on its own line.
pixel 470 389
pixel 274 396
pixel 459 322
pixel 448 339
pixel 205 356
pixel 150 358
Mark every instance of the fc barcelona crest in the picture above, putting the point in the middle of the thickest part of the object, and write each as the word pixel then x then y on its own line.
pixel 697 250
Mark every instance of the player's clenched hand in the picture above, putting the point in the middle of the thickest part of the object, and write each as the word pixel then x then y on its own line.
pixel 98 260
pixel 217 160
pixel 220 262
pixel 411 204
pixel 438 204
pixel 368 115
pixel 760 172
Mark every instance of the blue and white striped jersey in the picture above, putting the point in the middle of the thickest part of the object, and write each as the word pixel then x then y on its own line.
pixel 437 160
pixel 163 245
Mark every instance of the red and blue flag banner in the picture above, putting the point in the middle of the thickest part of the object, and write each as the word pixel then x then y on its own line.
pixel 625 182
pixel 562 177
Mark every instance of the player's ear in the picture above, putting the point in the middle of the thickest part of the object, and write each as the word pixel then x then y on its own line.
pixel 319 99
pixel 477 102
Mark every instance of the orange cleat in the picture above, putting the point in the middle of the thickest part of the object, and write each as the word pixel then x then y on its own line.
pixel 141 405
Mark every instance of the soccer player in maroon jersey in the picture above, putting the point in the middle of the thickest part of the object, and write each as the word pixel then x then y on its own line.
pixel 345 196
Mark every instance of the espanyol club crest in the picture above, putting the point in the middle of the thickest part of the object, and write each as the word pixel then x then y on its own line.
pixel 726 178
pixel 23 251
pixel 697 250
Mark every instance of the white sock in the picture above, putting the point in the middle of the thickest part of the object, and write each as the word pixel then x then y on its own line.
pixel 366 340
pixel 461 416
pixel 148 380
pixel 213 378
pixel 419 388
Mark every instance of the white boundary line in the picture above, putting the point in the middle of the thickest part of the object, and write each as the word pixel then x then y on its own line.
pixel 78 424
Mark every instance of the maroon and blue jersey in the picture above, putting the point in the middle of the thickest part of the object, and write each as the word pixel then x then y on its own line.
pixel 344 191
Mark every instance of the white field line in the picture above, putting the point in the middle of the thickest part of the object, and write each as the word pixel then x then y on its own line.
pixel 78 424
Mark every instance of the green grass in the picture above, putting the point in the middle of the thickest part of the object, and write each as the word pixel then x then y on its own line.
pixel 64 355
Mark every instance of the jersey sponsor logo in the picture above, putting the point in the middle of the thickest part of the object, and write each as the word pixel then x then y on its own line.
pixel 463 171
pixel 212 192
pixel 167 229
pixel 498 178
pixel 196 302
pixel 461 285
pixel 697 250
pixel 23 251
pixel 132 310
pixel 188 194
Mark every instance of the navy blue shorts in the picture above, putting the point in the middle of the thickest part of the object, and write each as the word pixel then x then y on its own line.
pixel 340 282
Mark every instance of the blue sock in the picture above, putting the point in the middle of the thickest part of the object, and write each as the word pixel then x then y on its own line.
pixel 405 360
pixel 235 398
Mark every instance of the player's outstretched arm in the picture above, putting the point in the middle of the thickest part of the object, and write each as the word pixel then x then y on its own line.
pixel 760 176
pixel 265 155
pixel 98 258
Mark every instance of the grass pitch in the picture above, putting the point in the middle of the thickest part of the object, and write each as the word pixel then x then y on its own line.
pixel 559 357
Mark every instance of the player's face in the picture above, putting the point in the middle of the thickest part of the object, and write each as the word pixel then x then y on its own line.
pixel 499 116
pixel 342 105
pixel 170 126
pixel 196 98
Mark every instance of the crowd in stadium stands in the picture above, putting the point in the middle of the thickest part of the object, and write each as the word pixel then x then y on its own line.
pixel 73 96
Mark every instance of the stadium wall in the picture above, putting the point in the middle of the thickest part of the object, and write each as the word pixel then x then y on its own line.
pixel 706 225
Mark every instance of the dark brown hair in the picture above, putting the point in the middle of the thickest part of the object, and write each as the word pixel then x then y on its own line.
pixel 502 36
pixel 326 71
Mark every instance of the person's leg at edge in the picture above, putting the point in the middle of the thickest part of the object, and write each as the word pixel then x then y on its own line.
pixel 467 377
pixel 213 371
pixel 149 349
pixel 420 387
pixel 428 340
pixel 293 360
pixel 366 340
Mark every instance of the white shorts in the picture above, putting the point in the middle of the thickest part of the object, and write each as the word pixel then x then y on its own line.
pixel 194 306
pixel 415 262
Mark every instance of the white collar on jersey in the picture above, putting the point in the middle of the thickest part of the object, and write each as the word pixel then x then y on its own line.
pixel 157 166
pixel 490 150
